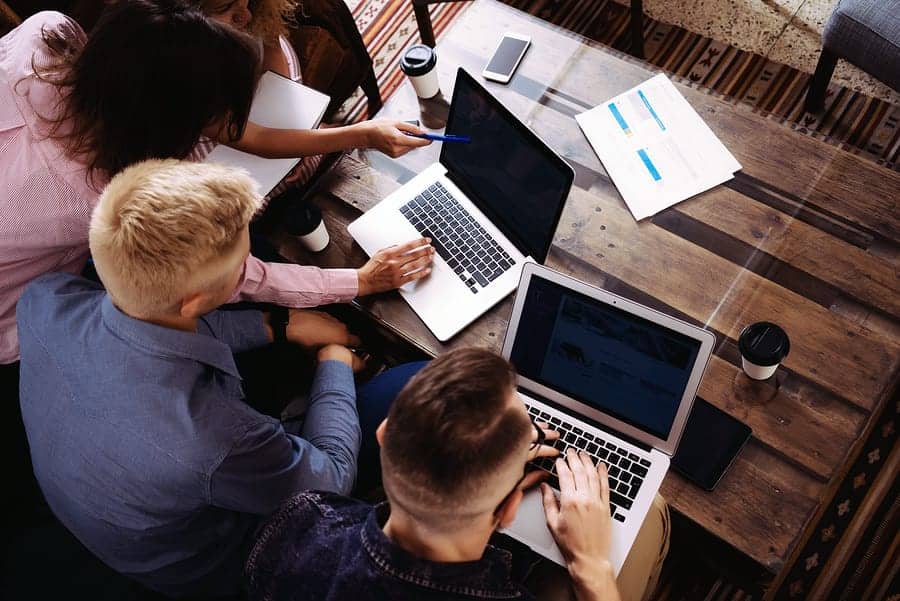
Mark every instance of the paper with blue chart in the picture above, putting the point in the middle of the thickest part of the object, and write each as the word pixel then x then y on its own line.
pixel 655 147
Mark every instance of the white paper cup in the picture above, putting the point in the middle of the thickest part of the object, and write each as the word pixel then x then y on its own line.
pixel 426 86
pixel 763 346
pixel 419 63
pixel 316 240
pixel 758 372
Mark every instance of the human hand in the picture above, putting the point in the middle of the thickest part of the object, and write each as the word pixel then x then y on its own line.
pixel 336 352
pixel 394 266
pixel 543 450
pixel 389 137
pixel 580 521
pixel 314 329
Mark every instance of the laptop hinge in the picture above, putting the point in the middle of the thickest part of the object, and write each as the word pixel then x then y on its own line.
pixel 641 445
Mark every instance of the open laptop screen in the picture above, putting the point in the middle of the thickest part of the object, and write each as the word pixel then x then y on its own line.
pixel 519 183
pixel 607 358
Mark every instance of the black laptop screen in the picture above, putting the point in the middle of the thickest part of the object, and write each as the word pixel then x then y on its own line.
pixel 513 177
pixel 607 358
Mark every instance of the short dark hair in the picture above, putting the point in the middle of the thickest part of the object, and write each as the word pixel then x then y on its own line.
pixel 151 76
pixel 452 427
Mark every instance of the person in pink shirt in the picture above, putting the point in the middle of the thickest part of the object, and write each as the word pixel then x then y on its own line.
pixel 75 110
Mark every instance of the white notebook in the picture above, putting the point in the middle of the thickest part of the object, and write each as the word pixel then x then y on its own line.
pixel 279 103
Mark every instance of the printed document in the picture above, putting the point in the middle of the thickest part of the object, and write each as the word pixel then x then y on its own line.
pixel 655 147
pixel 278 103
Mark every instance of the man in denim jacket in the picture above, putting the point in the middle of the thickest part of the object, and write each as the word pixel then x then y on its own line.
pixel 453 450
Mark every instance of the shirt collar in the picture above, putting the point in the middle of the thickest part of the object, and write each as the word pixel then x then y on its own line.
pixel 487 578
pixel 167 342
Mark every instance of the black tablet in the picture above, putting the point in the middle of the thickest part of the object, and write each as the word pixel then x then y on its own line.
pixel 709 444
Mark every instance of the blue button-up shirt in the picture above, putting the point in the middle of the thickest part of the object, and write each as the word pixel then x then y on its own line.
pixel 329 548
pixel 143 446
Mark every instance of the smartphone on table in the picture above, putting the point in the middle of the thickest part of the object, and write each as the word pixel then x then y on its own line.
pixel 709 444
pixel 506 57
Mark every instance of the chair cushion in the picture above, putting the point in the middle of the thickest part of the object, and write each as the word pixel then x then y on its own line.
pixel 867 33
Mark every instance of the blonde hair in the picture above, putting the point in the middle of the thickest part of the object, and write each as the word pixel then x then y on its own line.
pixel 163 228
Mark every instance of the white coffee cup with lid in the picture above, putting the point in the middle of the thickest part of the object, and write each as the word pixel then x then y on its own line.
pixel 419 63
pixel 304 221
pixel 763 347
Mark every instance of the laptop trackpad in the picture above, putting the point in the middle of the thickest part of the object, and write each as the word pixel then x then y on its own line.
pixel 530 527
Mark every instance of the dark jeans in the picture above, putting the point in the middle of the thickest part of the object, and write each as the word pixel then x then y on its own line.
pixel 373 400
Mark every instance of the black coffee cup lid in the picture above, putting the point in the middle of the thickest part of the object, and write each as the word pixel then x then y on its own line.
pixel 418 60
pixel 764 343
pixel 302 218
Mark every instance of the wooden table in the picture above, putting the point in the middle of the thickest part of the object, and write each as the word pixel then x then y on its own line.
pixel 806 235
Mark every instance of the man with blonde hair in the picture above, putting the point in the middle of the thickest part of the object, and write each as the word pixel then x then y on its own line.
pixel 140 438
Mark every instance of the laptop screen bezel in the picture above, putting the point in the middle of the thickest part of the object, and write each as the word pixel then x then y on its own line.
pixel 459 180
pixel 704 337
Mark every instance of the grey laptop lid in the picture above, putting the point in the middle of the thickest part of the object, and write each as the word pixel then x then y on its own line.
pixel 606 358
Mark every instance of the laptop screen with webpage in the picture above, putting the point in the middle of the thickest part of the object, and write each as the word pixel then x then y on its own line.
pixel 607 358
pixel 519 183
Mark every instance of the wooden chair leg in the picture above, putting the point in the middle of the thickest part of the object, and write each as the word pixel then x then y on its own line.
pixel 369 85
pixel 423 20
pixel 637 28
pixel 818 83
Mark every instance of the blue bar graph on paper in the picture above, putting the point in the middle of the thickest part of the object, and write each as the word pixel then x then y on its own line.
pixel 619 118
pixel 652 112
pixel 649 165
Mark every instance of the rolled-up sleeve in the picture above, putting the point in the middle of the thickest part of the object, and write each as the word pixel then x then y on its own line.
pixel 293 285
pixel 267 465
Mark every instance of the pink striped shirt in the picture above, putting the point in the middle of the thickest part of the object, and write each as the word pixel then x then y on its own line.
pixel 46 199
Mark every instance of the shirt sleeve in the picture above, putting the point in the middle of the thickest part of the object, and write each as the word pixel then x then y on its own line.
pixel 240 330
pixel 267 465
pixel 296 286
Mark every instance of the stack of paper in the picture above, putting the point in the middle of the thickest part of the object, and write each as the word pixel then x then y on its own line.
pixel 655 147
pixel 278 103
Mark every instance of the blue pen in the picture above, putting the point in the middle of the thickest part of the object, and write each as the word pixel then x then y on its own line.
pixel 440 138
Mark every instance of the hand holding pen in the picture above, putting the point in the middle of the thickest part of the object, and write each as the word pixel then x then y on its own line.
pixel 441 138
pixel 435 137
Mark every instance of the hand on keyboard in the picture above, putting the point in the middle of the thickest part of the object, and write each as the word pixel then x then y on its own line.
pixel 543 450
pixel 394 266
pixel 580 520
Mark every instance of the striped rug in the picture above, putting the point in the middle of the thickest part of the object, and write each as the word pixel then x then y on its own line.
pixel 851 120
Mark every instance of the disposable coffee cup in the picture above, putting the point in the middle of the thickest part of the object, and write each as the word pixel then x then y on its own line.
pixel 304 221
pixel 419 63
pixel 763 347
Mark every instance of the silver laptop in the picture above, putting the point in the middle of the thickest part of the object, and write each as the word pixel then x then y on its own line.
pixel 489 207
pixel 616 379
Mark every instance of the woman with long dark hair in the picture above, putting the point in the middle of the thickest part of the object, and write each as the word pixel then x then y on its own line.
pixel 268 21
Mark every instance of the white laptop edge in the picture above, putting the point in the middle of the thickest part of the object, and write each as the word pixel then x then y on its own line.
pixel 706 338
pixel 382 225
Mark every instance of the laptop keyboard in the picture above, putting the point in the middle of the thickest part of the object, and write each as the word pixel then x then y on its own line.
pixel 472 254
pixel 626 469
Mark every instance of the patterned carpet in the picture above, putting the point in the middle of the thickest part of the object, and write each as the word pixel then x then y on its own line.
pixel 851 120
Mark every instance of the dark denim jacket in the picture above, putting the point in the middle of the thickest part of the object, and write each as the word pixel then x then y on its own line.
pixel 325 547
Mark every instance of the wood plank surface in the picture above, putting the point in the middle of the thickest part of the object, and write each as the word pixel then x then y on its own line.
pixel 805 235
pixel 801 433
pixel 587 74
pixel 830 350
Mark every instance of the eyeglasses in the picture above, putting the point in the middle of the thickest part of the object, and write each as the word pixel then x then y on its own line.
pixel 540 438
